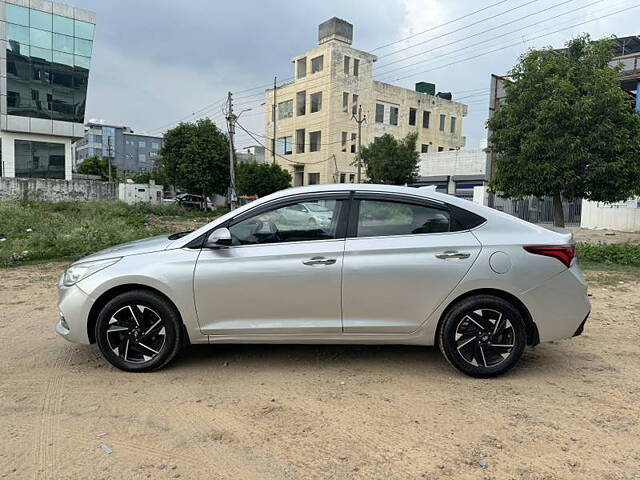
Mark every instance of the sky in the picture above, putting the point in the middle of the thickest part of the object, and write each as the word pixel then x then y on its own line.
pixel 156 62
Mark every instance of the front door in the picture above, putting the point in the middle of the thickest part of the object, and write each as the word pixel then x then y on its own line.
pixel 282 275
pixel 400 263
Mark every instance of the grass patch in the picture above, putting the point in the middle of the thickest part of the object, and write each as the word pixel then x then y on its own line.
pixel 603 274
pixel 40 231
pixel 624 254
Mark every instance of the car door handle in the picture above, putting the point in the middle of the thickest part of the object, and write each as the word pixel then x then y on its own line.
pixel 452 254
pixel 319 261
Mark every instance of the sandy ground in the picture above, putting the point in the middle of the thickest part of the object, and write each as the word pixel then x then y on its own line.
pixel 571 409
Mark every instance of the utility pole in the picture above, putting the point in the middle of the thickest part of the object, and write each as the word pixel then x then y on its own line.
pixel 273 118
pixel 109 155
pixel 360 120
pixel 231 125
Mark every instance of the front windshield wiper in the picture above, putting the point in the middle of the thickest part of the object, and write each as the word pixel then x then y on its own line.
pixel 176 236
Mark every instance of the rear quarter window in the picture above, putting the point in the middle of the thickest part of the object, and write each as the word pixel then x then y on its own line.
pixel 462 219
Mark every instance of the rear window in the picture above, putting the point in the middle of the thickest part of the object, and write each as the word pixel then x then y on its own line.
pixel 377 218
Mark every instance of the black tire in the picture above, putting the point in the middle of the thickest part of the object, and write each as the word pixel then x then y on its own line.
pixel 139 311
pixel 473 342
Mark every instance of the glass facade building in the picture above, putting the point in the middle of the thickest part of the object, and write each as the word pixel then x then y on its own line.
pixel 48 55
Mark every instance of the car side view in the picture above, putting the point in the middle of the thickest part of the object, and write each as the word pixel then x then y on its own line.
pixel 368 264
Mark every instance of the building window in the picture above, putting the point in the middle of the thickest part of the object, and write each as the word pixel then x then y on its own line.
pixel 285 109
pixel 412 116
pixel 425 148
pixel 453 125
pixel 301 67
pixel 314 179
pixel 393 116
pixel 344 141
pixel 347 64
pixel 442 119
pixel 39 159
pixel 155 145
pixel 300 140
pixel 352 178
pixel 425 119
pixel 142 158
pixel 314 141
pixel 441 149
pixel 142 144
pixel 301 103
pixel 356 66
pixel 316 64
pixel 354 140
pixel 316 102
pixel 343 177
pixel 345 102
pixel 379 113
pixel 354 105
pixel 285 145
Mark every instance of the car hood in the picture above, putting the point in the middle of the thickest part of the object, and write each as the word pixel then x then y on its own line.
pixel 146 245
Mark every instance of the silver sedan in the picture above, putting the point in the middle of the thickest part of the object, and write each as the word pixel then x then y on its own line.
pixel 394 265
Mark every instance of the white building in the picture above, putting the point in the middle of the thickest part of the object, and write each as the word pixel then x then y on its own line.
pixel 455 172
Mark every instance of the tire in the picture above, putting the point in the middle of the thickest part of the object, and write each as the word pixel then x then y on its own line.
pixel 483 336
pixel 139 331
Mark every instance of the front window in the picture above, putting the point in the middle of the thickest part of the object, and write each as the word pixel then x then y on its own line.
pixel 285 145
pixel 379 113
pixel 453 125
pixel 315 139
pixel 301 67
pixel 317 64
pixel 39 159
pixel 412 116
pixel 285 109
pixel 316 102
pixel 379 218
pixel 393 116
pixel 308 220
pixel 347 63
pixel 301 103
pixel 442 120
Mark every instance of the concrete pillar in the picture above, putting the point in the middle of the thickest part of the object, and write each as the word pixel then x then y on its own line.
pixel 8 155
pixel 68 160
pixel 451 187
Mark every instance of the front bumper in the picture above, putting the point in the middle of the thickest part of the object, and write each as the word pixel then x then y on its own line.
pixel 74 306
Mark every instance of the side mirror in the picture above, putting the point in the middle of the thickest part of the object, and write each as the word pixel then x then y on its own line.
pixel 219 238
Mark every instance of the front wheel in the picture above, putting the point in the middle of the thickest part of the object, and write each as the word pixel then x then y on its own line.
pixel 483 336
pixel 138 331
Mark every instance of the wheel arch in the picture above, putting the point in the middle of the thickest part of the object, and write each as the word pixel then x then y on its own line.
pixel 533 338
pixel 113 292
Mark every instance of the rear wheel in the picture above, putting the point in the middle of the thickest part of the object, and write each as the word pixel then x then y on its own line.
pixel 483 336
pixel 138 331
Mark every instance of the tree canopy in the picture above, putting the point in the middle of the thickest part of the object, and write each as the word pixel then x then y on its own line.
pixel 391 161
pixel 261 179
pixel 97 166
pixel 566 128
pixel 195 157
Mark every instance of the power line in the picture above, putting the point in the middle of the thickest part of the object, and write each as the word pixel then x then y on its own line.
pixel 438 26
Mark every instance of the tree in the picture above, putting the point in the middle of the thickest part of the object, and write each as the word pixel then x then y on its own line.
pixel 195 156
pixel 391 161
pixel 97 166
pixel 567 129
pixel 261 179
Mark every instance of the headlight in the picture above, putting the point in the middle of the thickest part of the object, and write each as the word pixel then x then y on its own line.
pixel 79 271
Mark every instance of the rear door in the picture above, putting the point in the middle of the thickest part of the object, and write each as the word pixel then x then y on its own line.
pixel 401 261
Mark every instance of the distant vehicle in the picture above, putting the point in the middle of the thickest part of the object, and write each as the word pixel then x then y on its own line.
pixel 386 265
pixel 194 202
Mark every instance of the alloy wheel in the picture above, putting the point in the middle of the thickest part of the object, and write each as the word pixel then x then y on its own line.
pixel 485 338
pixel 136 333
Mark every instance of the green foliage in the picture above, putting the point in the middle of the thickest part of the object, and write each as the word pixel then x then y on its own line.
pixel 97 166
pixel 70 230
pixel 609 254
pixel 567 127
pixel 195 157
pixel 391 161
pixel 261 179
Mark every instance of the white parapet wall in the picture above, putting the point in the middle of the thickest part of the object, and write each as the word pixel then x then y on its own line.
pixel 622 216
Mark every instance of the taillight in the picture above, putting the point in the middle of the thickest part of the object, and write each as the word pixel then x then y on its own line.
pixel 565 253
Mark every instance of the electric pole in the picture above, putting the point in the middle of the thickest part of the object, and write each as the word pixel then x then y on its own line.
pixel 360 120
pixel 231 126
pixel 273 118
pixel 109 155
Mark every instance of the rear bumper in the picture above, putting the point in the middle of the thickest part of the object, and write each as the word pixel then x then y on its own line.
pixel 581 327
pixel 560 306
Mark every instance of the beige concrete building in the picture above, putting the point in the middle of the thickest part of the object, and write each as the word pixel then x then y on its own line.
pixel 316 135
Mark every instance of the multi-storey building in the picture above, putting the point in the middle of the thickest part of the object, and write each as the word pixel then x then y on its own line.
pixel 45 54
pixel 129 151
pixel 316 135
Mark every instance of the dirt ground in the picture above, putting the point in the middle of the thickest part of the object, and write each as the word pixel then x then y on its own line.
pixel 571 409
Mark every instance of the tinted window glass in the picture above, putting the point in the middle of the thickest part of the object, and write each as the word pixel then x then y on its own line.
pixel 302 221
pixel 41 20
pixel 16 14
pixel 382 218
pixel 83 30
pixel 63 25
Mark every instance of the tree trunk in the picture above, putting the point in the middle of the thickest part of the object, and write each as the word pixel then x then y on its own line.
pixel 558 212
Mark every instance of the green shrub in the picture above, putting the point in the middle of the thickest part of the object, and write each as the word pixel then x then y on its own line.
pixel 609 254
pixel 39 231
